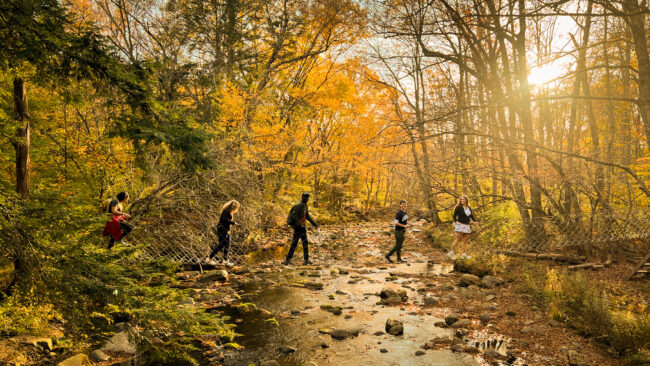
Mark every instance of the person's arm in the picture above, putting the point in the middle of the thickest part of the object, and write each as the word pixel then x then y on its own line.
pixel 115 212
pixel 308 217
pixel 455 217
pixel 471 216
pixel 397 220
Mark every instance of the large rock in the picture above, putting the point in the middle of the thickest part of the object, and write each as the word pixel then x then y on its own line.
pixel 469 279
pixel 76 360
pixel 575 359
pixel 119 343
pixel 394 327
pixel 44 343
pixel 392 297
pixel 462 323
pixel 341 334
pixel 491 281
pixel 187 301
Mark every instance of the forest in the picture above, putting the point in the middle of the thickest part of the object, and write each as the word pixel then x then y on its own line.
pixel 538 111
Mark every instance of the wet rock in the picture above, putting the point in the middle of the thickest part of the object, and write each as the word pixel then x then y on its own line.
pixel 491 281
pixel 287 350
pixel 485 318
pixel 451 318
pixel 336 310
pixel 392 297
pixel 457 348
pixel 341 334
pixel 314 285
pixel 119 343
pixel 431 301
pixel 510 313
pixel 383 350
pixel 380 333
pixel 394 327
pixel 76 360
pixel 462 323
pixel 469 279
pixel 324 345
pixel 270 363
pixel 218 276
pixel 187 301
pixel 296 312
pixel 339 292
pixel 99 356
pixel 43 343
pixel 419 353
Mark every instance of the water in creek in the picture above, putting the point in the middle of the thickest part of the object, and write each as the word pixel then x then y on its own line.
pixel 301 319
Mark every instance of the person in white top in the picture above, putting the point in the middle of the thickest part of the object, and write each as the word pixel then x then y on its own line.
pixel 463 217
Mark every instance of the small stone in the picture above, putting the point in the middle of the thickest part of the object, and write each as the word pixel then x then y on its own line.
pixel 383 350
pixel 419 353
pixel 295 312
pixel 378 333
pixel 324 345
pixel 440 324
pixel 485 318
pixel 489 297
pixel 469 279
pixel 462 323
pixel 491 281
pixel 287 350
pixel 471 349
pixel 394 327
pixel 510 313
pixel 457 348
pixel 76 360
pixel 99 356
pixel 270 363
pixel 431 301
pixel 452 318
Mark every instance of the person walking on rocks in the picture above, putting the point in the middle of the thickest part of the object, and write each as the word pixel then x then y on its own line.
pixel 117 228
pixel 463 217
pixel 401 223
pixel 228 211
pixel 298 217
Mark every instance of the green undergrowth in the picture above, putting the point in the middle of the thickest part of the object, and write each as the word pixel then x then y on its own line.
pixel 591 308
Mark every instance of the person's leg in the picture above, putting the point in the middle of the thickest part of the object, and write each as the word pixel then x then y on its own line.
pixel 226 247
pixel 457 238
pixel 398 244
pixel 399 241
pixel 294 244
pixel 126 228
pixel 305 246
pixel 220 246
pixel 464 243
pixel 111 243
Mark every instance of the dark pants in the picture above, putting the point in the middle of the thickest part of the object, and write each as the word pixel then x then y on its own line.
pixel 399 240
pixel 224 244
pixel 126 229
pixel 299 233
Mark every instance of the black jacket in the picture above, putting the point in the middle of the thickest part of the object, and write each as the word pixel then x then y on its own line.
pixel 460 216
pixel 298 214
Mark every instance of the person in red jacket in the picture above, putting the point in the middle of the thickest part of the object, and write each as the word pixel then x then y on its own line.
pixel 117 228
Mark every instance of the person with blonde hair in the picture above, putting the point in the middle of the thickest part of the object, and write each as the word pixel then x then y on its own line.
pixel 228 210
pixel 463 217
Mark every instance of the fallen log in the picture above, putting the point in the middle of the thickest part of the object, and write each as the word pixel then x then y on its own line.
pixel 548 256
pixel 592 265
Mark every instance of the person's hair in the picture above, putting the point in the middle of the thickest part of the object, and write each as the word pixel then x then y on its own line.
pixel 460 203
pixel 122 196
pixel 402 201
pixel 229 206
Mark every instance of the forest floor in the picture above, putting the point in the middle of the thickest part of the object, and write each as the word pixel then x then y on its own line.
pixel 330 312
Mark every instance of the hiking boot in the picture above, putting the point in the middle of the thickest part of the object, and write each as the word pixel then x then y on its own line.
pixel 400 260
pixel 286 262
pixel 388 259
pixel 450 254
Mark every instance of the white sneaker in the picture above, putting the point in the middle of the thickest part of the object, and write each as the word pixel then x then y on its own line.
pixel 464 256
pixel 210 262
pixel 450 254
pixel 228 263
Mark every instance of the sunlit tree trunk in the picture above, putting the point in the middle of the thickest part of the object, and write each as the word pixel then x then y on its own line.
pixel 22 141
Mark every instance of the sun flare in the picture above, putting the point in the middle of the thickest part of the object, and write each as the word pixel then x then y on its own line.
pixel 544 74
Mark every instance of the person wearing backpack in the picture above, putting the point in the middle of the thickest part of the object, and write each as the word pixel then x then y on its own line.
pixel 298 217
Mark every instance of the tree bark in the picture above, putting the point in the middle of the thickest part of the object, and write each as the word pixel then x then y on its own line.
pixel 21 142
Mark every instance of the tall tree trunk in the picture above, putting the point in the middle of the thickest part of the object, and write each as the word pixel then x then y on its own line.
pixel 22 141
pixel 636 21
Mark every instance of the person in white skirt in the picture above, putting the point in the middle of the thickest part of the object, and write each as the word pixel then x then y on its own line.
pixel 463 217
